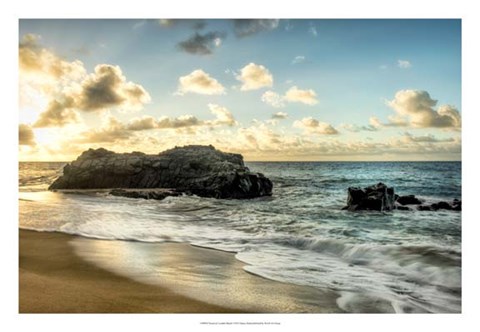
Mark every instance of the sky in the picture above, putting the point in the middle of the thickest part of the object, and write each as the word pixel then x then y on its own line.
pixel 272 90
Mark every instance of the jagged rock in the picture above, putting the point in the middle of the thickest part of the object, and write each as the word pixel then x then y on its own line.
pixel 194 169
pixel 378 197
pixel 408 200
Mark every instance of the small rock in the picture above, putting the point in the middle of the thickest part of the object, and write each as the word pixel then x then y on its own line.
pixel 408 200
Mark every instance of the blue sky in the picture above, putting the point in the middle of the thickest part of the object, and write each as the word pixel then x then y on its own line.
pixel 365 89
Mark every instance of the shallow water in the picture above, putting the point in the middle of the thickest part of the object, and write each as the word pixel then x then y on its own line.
pixel 401 261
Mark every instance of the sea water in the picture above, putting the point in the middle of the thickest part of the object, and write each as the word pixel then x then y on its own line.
pixel 400 261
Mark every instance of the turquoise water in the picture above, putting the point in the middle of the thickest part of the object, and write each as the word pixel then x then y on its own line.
pixel 400 261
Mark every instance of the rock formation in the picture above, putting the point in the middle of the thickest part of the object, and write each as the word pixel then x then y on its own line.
pixel 194 169
pixel 378 197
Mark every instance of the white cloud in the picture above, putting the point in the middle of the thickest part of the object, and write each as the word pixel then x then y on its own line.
pixel 416 108
pixel 273 99
pixel 294 94
pixel 298 59
pixel 313 126
pixel 199 82
pixel 404 64
pixel 224 116
pixel 254 77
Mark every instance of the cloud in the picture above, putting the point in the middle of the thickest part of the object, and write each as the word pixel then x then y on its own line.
pixel 107 87
pixel 356 128
pixel 195 24
pixel 273 99
pixel 111 131
pixel 313 126
pixel 202 44
pixel 254 77
pixel 199 82
pixel 143 123
pixel 224 116
pixel 393 121
pixel 409 138
pixel 404 64
pixel 248 27
pixel 57 114
pixel 45 65
pixel 279 116
pixel 298 59
pixel 295 94
pixel 416 108
pixel 67 87
pixel 26 135
pixel 180 122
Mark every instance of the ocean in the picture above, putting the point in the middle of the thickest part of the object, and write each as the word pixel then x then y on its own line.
pixel 400 261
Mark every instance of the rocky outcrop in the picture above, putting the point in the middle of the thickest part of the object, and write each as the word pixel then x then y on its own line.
pixel 194 169
pixel 378 197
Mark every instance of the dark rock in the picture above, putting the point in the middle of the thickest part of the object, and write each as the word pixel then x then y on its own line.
pixel 158 194
pixel 408 200
pixel 441 205
pixel 401 207
pixel 457 205
pixel 378 197
pixel 424 208
pixel 195 169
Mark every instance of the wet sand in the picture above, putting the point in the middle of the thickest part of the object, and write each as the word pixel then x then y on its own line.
pixel 54 279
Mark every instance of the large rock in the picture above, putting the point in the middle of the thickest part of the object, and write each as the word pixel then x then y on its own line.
pixel 378 197
pixel 193 169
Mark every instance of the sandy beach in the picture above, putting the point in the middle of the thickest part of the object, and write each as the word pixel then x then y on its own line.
pixel 53 279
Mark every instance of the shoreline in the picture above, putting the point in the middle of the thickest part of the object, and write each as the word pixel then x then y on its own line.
pixel 62 273
pixel 52 279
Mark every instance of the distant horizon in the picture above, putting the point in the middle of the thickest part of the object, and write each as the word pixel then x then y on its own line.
pixel 302 89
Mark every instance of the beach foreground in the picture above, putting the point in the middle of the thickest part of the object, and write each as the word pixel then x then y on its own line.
pixel 53 279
